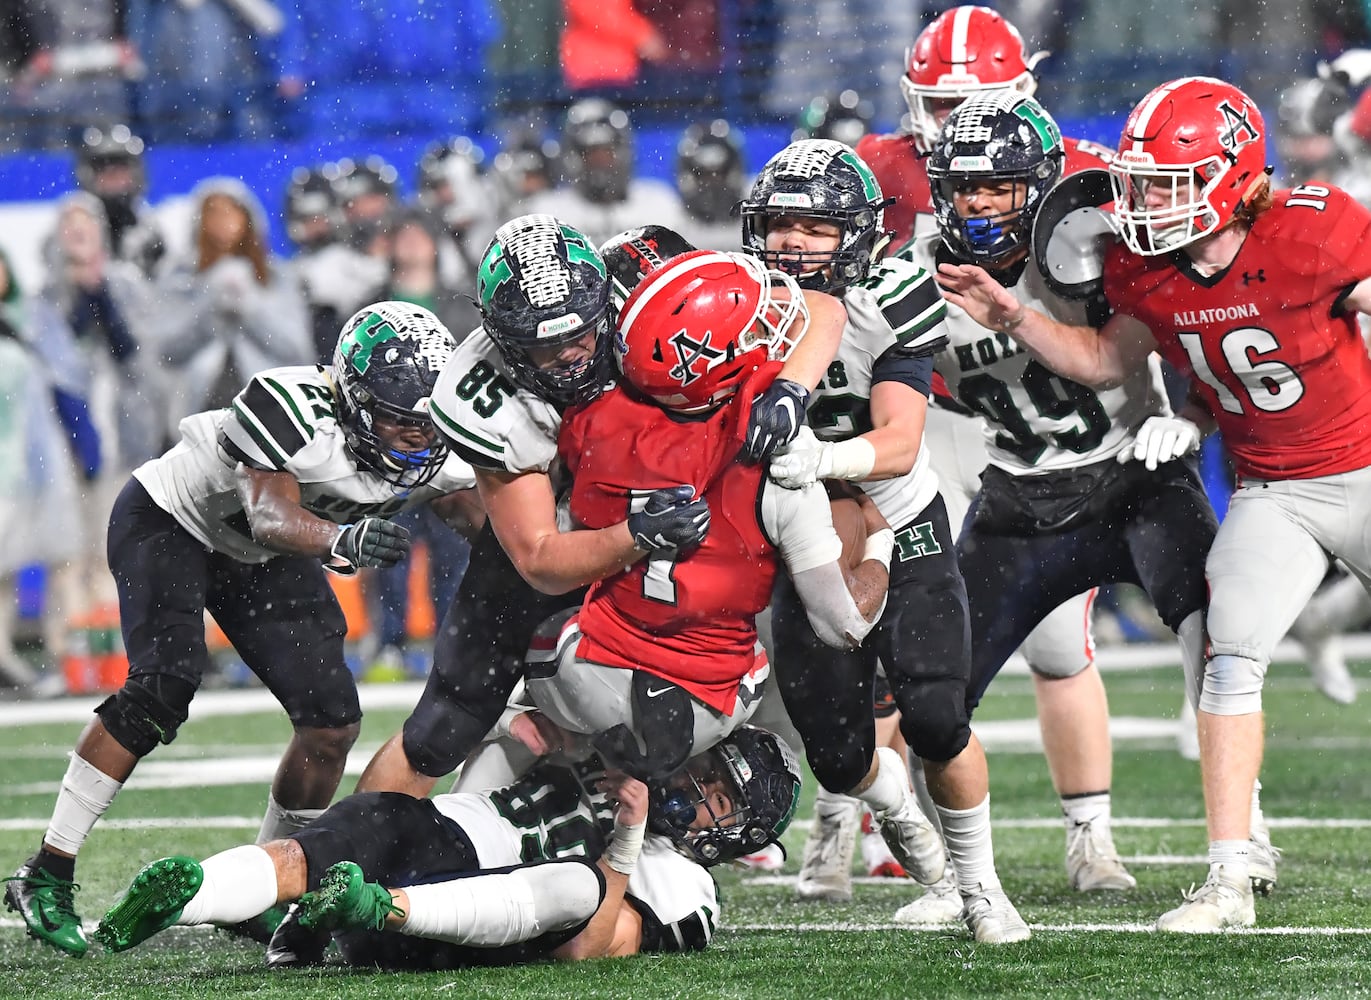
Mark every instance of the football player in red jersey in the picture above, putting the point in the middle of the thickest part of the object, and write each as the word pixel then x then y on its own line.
pixel 1254 293
pixel 662 660
pixel 966 50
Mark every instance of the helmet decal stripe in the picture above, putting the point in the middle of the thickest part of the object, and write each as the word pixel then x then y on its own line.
pixel 1143 120
pixel 961 26
pixel 662 280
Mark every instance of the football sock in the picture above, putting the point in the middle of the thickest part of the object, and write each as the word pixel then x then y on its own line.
pixel 967 834
pixel 1092 808
pixel 1230 858
pixel 239 884
pixel 889 788
pixel 279 823
pixel 85 795
pixel 489 911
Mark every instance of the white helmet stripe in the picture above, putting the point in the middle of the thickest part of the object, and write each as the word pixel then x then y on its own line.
pixel 1140 128
pixel 662 279
pixel 961 24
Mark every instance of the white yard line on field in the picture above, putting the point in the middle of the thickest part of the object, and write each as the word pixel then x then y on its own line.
pixel 1111 659
pixel 857 927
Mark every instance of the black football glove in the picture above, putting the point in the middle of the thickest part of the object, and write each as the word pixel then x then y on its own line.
pixel 671 519
pixel 373 542
pixel 777 415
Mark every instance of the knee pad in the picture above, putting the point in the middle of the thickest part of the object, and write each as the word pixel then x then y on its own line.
pixel 438 736
pixel 933 719
pixel 841 759
pixel 1232 685
pixel 146 711
pixel 1058 670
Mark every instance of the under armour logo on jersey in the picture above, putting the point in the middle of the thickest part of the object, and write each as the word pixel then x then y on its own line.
pixel 1259 277
pixel 1238 130
pixel 690 351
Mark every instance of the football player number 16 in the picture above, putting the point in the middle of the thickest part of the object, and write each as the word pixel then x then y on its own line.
pixel 1271 386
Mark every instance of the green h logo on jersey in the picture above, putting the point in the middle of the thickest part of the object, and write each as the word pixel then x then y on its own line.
pixel 1041 122
pixel 917 541
pixel 357 345
pixel 871 189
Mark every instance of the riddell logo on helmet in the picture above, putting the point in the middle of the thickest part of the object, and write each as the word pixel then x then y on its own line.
pixel 558 326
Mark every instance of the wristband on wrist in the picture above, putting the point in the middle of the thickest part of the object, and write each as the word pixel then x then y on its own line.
pixel 1009 325
pixel 852 459
pixel 880 546
pixel 625 844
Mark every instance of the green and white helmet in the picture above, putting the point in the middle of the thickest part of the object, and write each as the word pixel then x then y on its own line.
pixel 388 359
pixel 820 179
pixel 543 284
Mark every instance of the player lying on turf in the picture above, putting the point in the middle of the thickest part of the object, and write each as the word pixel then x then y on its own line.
pixel 568 863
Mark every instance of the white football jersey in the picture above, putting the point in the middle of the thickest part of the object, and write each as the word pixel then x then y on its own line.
pixel 285 419
pixel 556 811
pixel 897 306
pixel 487 418
pixel 1036 420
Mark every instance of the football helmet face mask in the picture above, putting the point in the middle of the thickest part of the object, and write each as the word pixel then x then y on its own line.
pixel 758 774
pixel 387 361
pixel 819 179
pixel 966 50
pixel 994 137
pixel 709 170
pixel 1192 153
pixel 597 150
pixel 543 285
pixel 630 255
pixel 698 325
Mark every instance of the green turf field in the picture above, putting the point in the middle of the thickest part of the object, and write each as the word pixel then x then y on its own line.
pixel 206 792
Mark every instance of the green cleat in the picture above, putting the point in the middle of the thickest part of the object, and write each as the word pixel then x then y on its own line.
pixel 48 907
pixel 151 903
pixel 346 901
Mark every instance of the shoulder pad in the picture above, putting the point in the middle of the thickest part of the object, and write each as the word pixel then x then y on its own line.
pixel 278 413
pixel 1073 230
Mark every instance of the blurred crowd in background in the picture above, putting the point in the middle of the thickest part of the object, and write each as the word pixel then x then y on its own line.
pixel 118 317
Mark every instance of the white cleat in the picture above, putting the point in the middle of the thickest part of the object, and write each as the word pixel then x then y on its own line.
pixel 1218 905
pixel 993 918
pixel 940 905
pixel 1328 668
pixel 912 838
pixel 826 869
pixel 1092 861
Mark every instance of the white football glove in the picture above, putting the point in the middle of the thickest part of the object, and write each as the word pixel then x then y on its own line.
pixel 1161 440
pixel 803 461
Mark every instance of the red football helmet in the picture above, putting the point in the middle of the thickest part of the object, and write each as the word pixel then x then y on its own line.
pixel 1192 152
pixel 701 323
pixel 966 50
